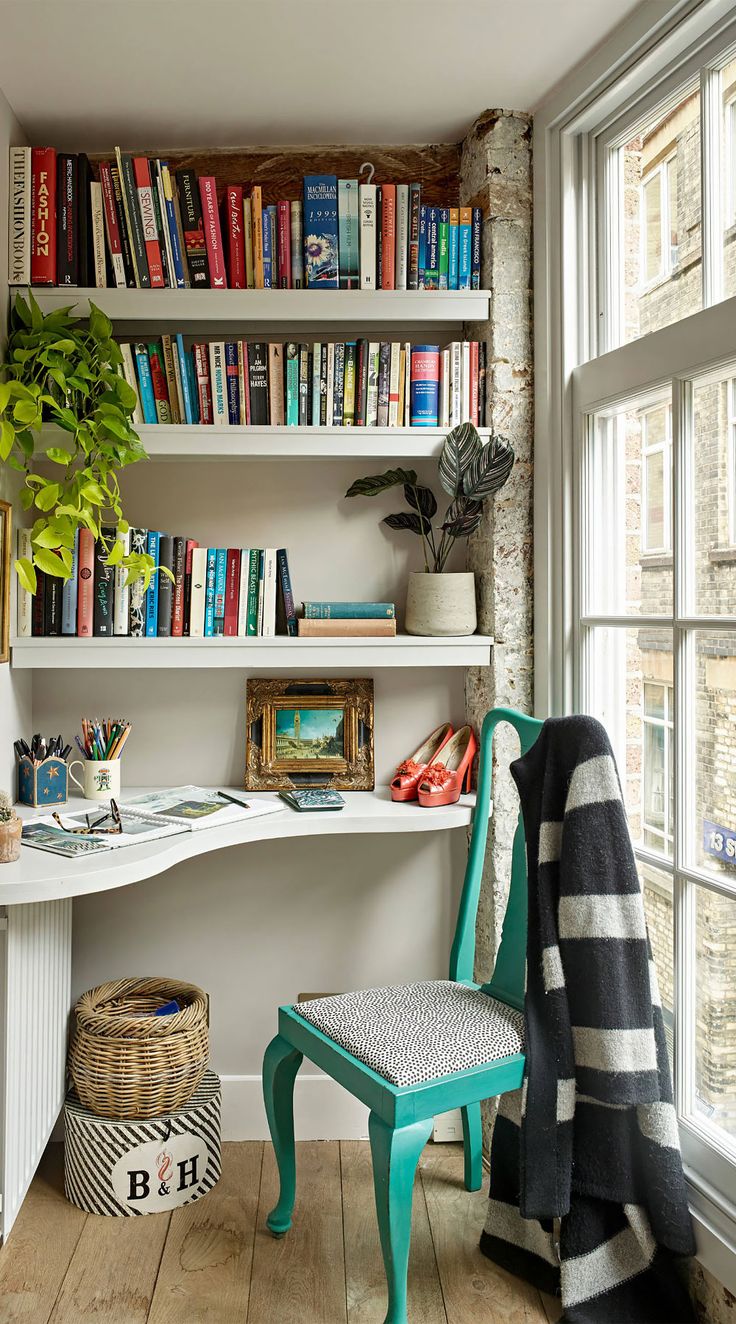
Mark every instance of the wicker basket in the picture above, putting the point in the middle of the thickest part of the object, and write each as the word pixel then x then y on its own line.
pixel 126 1062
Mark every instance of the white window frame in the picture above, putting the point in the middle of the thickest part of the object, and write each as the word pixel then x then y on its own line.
pixel 731 461
pixel 646 64
pixel 664 448
pixel 729 132
pixel 667 726
pixel 666 265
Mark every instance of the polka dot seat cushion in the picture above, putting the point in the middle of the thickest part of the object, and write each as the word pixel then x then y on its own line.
pixel 418 1032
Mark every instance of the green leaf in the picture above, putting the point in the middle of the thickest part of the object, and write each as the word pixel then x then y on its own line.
pixel 7 437
pixel 26 572
pixel 100 325
pixel 93 492
pixel 376 483
pixel 489 469
pixel 409 521
pixel 5 396
pixel 26 411
pixel 462 518
pixel 458 451
pixel 123 526
pixel 59 455
pixel 50 563
pixel 421 499
pixel 116 554
pixel 26 498
pixel 48 496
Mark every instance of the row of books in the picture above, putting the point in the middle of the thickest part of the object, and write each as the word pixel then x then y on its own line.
pixel 140 223
pixel 210 591
pixel 357 383
pixel 344 620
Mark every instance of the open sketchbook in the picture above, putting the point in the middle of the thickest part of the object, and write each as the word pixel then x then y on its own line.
pixel 146 817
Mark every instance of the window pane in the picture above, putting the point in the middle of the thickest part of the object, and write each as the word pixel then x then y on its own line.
pixel 629 474
pixel 714 495
pixel 728 83
pixel 714 830
pixel 657 890
pixel 714 1102
pixel 661 221
pixel 625 669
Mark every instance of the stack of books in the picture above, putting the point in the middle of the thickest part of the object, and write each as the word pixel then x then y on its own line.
pixel 363 620
pixel 354 383
pixel 210 591
pixel 137 221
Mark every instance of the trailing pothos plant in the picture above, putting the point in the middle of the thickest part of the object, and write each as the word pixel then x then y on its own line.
pixel 469 472
pixel 59 370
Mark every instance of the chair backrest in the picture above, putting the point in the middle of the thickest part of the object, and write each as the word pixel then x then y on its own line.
pixel 508 980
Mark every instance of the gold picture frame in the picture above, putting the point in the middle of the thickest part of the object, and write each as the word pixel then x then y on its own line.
pixel 303 733
pixel 6 524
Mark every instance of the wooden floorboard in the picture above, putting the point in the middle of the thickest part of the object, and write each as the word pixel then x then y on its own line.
pixel 206 1265
pixel 112 1272
pixel 366 1282
pixel 46 1232
pixel 300 1278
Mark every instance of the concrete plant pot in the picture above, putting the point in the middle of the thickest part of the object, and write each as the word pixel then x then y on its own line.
pixel 441 604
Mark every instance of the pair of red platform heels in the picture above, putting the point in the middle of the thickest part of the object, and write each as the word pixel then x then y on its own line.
pixel 439 770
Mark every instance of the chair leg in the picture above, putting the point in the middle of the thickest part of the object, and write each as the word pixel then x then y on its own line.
pixel 280 1065
pixel 395 1155
pixel 472 1146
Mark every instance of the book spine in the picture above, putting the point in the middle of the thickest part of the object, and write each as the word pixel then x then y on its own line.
pixel 186 387
pixel 219 389
pixel 371 410
pixel 43 215
pixel 172 224
pixel 242 624
pixel 402 236
pixel 142 174
pixel 474 382
pixel 204 390
pixel 67 225
pixel 330 385
pixel 465 388
pixel 341 611
pixel 367 239
pixel 85 239
pixel 338 400
pixel 361 383
pixel 133 220
pixel 198 593
pixel 482 383
pixel 256 198
pixel 243 404
pixel 248 242
pixel 19 217
pixel 52 605
pixel 235 239
pixel 424 385
pixel 348 233
pixel 456 376
pixel 192 378
pixel 415 199
pixel 159 218
pixel 103 586
pixel 321 232
pixel 158 383
pixel 232 591
pixel 172 383
pixel 121 590
pixel 348 404
pixel 127 368
pixel 190 547
pixel 384 366
pixel 179 571
pixel 151 599
pixel 268 628
pixel 388 236
pixel 212 232
pixel 444 392
pixel 393 385
pixel 137 598
pixel 126 249
pixel 145 384
pixel 379 236
pixel 475 251
pixel 286 591
pixel 431 273
pixel 453 249
pixel 98 235
pixel 165 586
pixel 465 245
pixel 422 254
pixel 291 360
pixel 209 593
pixel 38 607
pixel 258 383
pixel 297 247
pixel 322 418
pixel 406 416
pixel 276 385
pixel 316 389
pixel 270 275
pixel 443 248
pixel 284 245
pixel 253 584
pixel 25 599
pixel 232 382
pixel 303 386
pixel 403 357
pixel 191 219
pixel 86 584
pixel 218 619
pixel 337 629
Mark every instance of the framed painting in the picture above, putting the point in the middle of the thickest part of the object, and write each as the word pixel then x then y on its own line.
pixel 309 733
pixel 6 517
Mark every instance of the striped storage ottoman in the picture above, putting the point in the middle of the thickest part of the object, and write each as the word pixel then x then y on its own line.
pixel 126 1168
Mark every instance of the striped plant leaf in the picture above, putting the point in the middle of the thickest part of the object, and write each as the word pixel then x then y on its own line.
pixel 421 499
pixel 407 519
pixel 458 452
pixel 376 483
pixel 488 470
pixel 462 518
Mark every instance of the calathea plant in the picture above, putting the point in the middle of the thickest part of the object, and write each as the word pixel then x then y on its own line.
pixel 61 371
pixel 469 472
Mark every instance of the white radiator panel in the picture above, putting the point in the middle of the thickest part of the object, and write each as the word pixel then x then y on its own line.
pixel 36 994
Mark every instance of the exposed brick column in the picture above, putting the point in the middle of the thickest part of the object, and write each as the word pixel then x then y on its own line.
pixel 495 174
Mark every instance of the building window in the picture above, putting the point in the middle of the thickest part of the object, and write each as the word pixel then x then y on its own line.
pixel 731 461
pixel 659 221
pixel 657 779
pixel 656 440
pixel 729 152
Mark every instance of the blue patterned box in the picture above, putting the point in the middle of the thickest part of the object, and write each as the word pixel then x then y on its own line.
pixel 41 784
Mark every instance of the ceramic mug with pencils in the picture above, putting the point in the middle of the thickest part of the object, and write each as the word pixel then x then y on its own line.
pixel 100 778
pixel 101 744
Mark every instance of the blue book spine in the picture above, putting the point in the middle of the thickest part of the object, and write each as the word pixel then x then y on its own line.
pixel 432 271
pixel 453 269
pixel 267 250
pixel 464 259
pixel 209 596
pixel 232 382
pixel 151 603
pixel 422 245
pixel 425 385
pixel 69 593
pixel 349 611
pixel 145 384
pixel 186 385
pixel 174 238
pixel 476 248
pixel 193 392
pixel 287 595
pixel 218 621
pixel 321 249
pixel 292 385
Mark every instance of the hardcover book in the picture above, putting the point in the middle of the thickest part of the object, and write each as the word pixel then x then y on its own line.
pixel 258 383
pixel 297 247
pixel 104 586
pixel 443 263
pixel 67 220
pixel 384 365
pixel 142 173
pixel 340 629
pixel 453 249
pixel 232 383
pixel 137 616
pixel 415 198
pixel 191 219
pixel 86 584
pixel 388 236
pixel 158 383
pixel 348 404
pixel 52 605
pixel 172 378
pixel 232 591
pixel 304 364
pixel 38 607
pixel 291 360
pixel 212 232
pixel 425 376
pixel 209 593
pixel 133 220
pixel 256 200
pixel 121 590
pixel 219 389
pixel 204 390
pixel 145 384
pixel 151 598
pixel 475 250
pixel 268 249
pixel 85 238
pixel 172 221
pixel 19 217
pixel 431 271
pixel 125 241
pixel 179 571
pixel 97 221
pixel 248 242
pixel 276 385
pixel 367 245
pixel 285 609
pixel 235 244
pixel 347 611
pixel 321 232
pixel 284 246
pixel 25 599
pixel 348 242
pixel 198 592
pixel 43 216
pixel 402 236
pixel 165 586
pixel 218 622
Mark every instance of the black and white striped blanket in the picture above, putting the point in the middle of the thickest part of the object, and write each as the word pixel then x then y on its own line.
pixel 587 1195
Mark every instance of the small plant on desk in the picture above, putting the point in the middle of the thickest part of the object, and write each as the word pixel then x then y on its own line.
pixel 10 830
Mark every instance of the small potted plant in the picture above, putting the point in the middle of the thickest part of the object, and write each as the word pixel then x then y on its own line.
pixel 10 830
pixel 439 602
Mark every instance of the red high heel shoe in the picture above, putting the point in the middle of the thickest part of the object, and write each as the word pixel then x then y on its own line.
pixel 450 772
pixel 409 773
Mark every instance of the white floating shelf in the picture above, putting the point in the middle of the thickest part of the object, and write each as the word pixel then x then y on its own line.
pixel 235 309
pixel 182 442
pixel 41 876
pixel 405 650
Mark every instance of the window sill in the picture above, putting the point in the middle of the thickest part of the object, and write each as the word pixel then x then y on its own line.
pixel 655 560
pixel 715 1231
pixel 721 554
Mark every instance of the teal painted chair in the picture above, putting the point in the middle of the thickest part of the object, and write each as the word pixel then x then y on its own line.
pixel 412 1052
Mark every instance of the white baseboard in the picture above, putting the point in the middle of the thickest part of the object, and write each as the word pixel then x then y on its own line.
pixel 322 1110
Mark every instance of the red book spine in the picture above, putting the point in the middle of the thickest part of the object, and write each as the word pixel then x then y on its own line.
pixel 191 544
pixel 158 378
pixel 43 216
pixel 474 382
pixel 148 219
pixel 112 229
pixel 235 239
pixel 212 233
pixel 86 584
pixel 388 237
pixel 232 591
pixel 204 391
pixel 246 384
pixel 284 232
